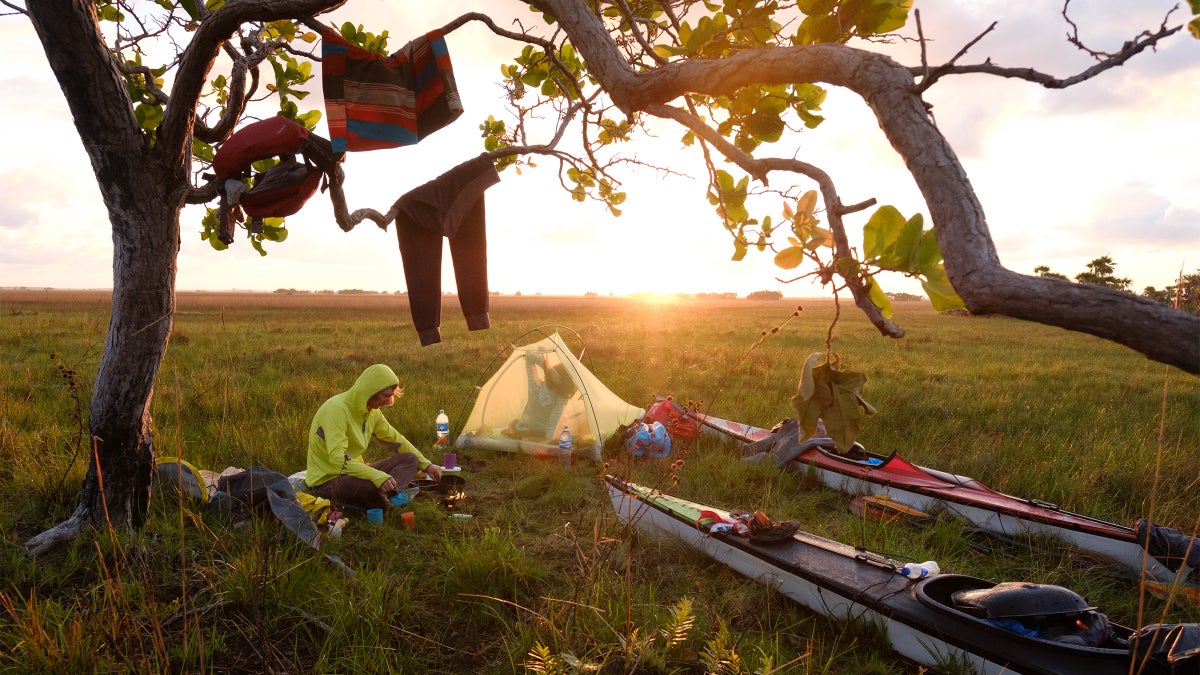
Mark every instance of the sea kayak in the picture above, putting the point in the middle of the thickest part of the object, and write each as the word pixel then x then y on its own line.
pixel 862 472
pixel 933 621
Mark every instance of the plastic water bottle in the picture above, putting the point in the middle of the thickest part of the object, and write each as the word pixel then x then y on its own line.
pixel 820 432
pixel 928 568
pixel 564 447
pixel 443 429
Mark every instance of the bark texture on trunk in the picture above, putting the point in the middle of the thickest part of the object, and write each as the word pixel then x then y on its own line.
pixel 143 191
pixel 143 179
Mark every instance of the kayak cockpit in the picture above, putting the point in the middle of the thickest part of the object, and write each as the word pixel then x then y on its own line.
pixel 1035 611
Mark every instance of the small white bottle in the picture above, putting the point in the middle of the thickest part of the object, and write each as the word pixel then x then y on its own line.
pixel 928 568
pixel 820 432
pixel 564 447
pixel 443 429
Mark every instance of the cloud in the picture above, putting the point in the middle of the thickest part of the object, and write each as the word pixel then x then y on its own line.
pixel 14 215
pixel 1134 214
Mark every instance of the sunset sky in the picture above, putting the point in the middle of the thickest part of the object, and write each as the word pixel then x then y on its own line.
pixel 1105 168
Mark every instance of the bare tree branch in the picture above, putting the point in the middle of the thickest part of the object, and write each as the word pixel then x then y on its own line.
pixel 1128 51
pixel 759 168
pixel 347 220
pixel 931 76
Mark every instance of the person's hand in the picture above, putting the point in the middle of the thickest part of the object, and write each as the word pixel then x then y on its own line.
pixel 434 471
pixel 389 485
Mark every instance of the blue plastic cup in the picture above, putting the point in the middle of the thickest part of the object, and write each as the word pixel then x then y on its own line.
pixel 399 499
pixel 375 516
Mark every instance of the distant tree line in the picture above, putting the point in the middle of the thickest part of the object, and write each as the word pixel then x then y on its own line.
pixel 1101 272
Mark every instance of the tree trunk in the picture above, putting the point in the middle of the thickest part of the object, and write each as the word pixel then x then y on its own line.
pixel 143 189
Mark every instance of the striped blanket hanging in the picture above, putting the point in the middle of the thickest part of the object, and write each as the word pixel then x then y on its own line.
pixel 374 101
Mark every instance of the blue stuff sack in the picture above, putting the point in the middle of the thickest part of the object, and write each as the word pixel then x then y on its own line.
pixel 649 440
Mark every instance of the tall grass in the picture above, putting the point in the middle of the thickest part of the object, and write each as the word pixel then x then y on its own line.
pixel 543 579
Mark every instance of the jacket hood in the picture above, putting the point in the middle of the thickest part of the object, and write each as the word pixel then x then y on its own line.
pixel 373 380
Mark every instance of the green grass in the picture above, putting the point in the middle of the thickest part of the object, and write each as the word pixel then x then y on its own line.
pixel 543 577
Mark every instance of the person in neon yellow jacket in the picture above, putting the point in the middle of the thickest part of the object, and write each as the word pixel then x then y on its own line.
pixel 339 434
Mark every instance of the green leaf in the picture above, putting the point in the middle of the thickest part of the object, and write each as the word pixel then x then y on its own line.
pixel 790 258
pixel 724 180
pixel 215 241
pixel 809 96
pixel 202 151
pixel 941 294
pixel 765 126
pixel 148 116
pixel 1194 27
pixel 735 211
pixel 820 237
pixel 911 249
pixel 816 6
pixel 189 6
pixel 667 51
pixel 881 231
pixel 739 250
pixel 309 119
pixel 883 16
pixel 276 233
pixel 811 121
pixel 879 298
pixel 928 255
pixel 534 78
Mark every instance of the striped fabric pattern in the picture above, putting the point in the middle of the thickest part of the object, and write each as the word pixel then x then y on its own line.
pixel 374 101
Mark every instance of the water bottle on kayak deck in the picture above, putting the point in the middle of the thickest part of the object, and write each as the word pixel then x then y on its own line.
pixel 564 447
pixel 928 568
pixel 443 429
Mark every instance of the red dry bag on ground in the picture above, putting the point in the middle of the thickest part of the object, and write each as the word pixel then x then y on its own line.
pixel 681 427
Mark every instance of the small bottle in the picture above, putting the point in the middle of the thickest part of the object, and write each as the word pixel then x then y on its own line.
pixel 820 432
pixel 564 447
pixel 928 568
pixel 443 429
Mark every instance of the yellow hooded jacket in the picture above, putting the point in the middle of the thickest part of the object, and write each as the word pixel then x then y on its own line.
pixel 343 426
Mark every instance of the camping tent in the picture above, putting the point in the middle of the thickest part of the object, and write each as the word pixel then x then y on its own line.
pixel 540 388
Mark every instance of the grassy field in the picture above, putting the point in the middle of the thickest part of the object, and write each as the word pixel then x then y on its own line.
pixel 543 574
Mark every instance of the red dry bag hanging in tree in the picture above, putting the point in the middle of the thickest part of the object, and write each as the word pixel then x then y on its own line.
pixel 283 188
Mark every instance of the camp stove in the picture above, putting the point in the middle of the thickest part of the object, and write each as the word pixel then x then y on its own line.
pixel 454 493
pixel 453 502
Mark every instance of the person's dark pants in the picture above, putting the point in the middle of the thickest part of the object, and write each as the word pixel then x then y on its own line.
pixel 361 493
